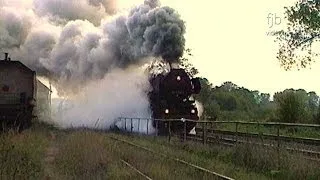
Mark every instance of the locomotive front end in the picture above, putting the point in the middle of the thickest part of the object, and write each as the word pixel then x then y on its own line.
pixel 171 98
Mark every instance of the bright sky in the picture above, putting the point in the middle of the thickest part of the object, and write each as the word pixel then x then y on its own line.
pixel 229 41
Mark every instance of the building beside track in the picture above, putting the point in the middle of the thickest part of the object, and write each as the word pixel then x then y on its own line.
pixel 22 95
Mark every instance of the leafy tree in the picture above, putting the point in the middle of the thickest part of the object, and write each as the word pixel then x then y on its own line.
pixel 292 105
pixel 313 105
pixel 289 107
pixel 205 91
pixel 184 63
pixel 264 98
pixel 313 101
pixel 317 117
pixel 212 109
pixel 229 86
pixel 303 31
pixel 210 105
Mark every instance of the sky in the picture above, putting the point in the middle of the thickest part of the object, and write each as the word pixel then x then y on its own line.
pixel 230 42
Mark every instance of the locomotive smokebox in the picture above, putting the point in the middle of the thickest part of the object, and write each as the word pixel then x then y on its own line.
pixel 171 98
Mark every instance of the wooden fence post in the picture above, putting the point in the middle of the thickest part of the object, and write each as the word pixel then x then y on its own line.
pixel 184 131
pixel 259 132
pixel 131 125
pixel 139 125
pixel 148 126
pixel 237 131
pixel 169 128
pixel 204 133
pixel 247 131
pixel 278 145
pixel 157 125
pixel 125 124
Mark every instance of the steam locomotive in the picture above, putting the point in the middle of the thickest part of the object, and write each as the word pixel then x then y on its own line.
pixel 171 98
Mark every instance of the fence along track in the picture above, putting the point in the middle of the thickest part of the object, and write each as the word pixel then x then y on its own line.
pixel 223 136
pixel 135 169
pixel 205 125
pixel 175 159
pixel 231 143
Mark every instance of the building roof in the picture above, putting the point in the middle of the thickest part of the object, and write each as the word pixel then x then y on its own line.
pixel 44 86
pixel 23 66
pixel 17 63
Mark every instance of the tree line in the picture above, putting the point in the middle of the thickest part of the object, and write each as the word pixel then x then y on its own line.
pixel 232 102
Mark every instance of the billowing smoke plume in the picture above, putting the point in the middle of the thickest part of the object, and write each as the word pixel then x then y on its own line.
pixel 88 50
pixel 61 39
pixel 66 10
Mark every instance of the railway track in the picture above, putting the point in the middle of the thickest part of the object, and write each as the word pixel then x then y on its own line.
pixel 309 147
pixel 305 141
pixel 217 175
pixel 231 141
pixel 135 169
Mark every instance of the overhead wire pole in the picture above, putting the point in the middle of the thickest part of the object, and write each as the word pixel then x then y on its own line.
pixel 50 99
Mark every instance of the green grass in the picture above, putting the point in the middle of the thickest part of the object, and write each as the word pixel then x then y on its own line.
pixel 240 162
pixel 204 156
pixel 21 155
pixel 45 152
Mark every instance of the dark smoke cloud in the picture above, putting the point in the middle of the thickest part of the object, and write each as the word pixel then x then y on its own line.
pixel 152 3
pixel 149 32
pixel 78 51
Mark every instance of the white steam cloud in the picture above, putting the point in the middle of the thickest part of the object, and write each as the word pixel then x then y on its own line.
pixel 121 93
pixel 63 40
pixel 200 108
pixel 87 49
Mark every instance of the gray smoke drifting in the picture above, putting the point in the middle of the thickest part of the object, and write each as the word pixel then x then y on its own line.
pixel 78 50
pixel 89 50
pixel 63 11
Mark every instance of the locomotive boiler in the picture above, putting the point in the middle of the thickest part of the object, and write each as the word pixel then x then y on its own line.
pixel 171 98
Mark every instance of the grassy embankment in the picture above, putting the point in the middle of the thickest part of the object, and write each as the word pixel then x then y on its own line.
pixel 45 152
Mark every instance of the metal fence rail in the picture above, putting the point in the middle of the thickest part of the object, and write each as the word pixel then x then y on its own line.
pixel 207 132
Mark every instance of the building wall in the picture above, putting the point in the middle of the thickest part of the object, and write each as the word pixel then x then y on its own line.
pixel 43 102
pixel 18 79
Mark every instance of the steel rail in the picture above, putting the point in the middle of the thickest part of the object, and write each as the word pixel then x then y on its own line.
pixel 175 159
pixel 301 140
pixel 135 169
pixel 232 142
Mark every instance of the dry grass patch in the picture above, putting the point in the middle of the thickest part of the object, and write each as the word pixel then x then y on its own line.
pixel 239 162
pixel 21 155
pixel 83 155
